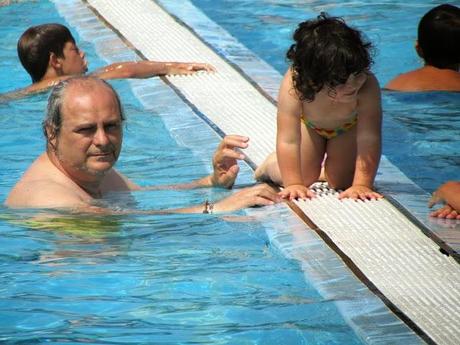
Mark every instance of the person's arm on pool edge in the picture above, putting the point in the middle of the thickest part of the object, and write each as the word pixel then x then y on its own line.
pixel 258 195
pixel 147 69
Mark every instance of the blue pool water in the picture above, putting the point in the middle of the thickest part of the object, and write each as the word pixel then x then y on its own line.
pixel 420 133
pixel 189 279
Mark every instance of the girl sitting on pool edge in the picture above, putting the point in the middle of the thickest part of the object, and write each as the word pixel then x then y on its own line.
pixel 329 114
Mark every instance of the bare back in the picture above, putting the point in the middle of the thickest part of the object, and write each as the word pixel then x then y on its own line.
pixel 427 78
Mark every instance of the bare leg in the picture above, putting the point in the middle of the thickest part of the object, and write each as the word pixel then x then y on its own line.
pixel 269 170
pixel 341 160
pixel 312 153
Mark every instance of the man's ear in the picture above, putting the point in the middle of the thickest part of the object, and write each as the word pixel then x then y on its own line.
pixel 54 61
pixel 51 139
pixel 418 49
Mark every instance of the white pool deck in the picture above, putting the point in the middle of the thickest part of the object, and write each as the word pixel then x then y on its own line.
pixel 385 249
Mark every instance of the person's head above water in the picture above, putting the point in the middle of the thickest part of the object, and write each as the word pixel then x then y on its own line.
pixel 438 40
pixel 326 53
pixel 83 126
pixel 50 46
pixel 54 112
pixel 50 54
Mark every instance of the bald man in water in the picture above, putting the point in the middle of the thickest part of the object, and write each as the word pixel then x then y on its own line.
pixel 83 130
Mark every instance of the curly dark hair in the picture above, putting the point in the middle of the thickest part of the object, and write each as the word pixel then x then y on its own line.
pixel 325 53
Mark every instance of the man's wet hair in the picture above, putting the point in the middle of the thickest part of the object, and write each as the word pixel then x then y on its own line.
pixel 37 43
pixel 325 53
pixel 53 120
pixel 439 36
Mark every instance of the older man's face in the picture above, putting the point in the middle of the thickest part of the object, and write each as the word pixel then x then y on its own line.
pixel 90 138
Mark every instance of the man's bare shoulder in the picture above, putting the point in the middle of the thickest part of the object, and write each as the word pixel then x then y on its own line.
pixel 409 81
pixel 43 194
pixel 43 185
pixel 426 79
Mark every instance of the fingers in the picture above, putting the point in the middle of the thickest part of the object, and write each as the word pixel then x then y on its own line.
pixel 269 194
pixel 210 68
pixel 201 67
pixel 206 67
pixel 227 178
pixel 296 192
pixel 446 212
pixel 370 195
pixel 434 200
pixel 230 153
pixel 262 201
pixel 360 193
pixel 294 195
pixel 226 148
pixel 234 140
pixel 452 215
pixel 261 195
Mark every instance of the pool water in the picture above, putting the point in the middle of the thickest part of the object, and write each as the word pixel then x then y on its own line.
pixel 167 279
pixel 420 130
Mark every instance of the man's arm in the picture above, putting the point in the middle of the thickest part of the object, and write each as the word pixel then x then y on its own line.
pixel 258 195
pixel 37 87
pixel 120 70
pixel 147 69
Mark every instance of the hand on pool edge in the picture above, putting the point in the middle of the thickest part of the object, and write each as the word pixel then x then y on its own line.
pixel 258 195
pixel 360 192
pixel 446 212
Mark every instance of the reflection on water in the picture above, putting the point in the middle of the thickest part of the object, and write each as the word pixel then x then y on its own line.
pixel 420 135
pixel 88 226
pixel 162 279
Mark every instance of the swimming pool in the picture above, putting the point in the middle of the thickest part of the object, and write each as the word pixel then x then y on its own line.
pixel 166 279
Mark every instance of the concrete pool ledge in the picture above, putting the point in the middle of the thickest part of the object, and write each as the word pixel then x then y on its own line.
pixel 384 248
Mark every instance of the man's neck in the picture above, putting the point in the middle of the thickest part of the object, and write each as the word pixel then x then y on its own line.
pixel 454 68
pixel 89 183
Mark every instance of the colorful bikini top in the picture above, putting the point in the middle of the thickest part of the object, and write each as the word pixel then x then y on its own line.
pixel 332 133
